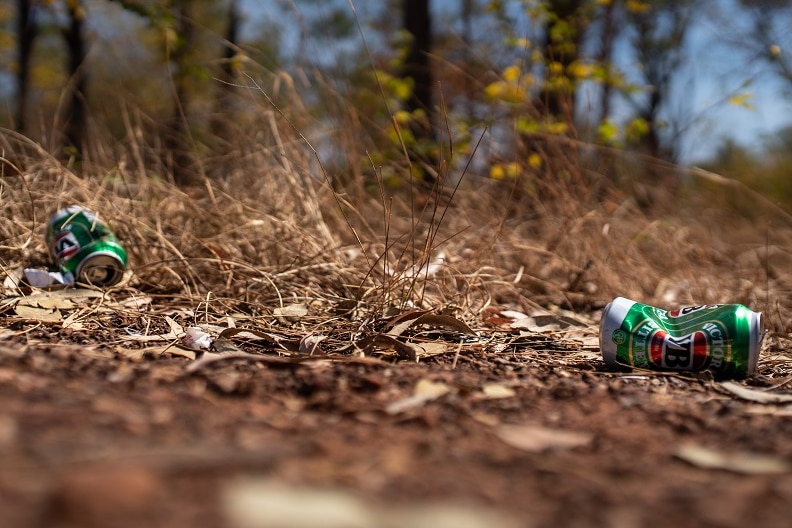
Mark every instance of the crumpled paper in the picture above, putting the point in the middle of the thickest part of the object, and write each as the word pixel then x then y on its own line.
pixel 41 278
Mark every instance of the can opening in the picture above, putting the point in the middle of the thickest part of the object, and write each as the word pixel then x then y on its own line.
pixel 101 270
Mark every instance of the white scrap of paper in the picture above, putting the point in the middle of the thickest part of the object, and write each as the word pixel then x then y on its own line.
pixel 41 278
pixel 196 339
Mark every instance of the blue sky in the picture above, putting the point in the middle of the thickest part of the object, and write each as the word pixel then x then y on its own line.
pixel 713 73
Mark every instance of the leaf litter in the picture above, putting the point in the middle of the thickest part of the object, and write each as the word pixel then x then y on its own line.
pixel 477 380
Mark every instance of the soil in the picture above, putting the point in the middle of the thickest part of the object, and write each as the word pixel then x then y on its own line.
pixel 100 431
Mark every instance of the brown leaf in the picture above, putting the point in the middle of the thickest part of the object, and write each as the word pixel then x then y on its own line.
pixel 42 315
pixel 270 338
pixel 444 321
pixel 310 344
pixel 493 391
pixel 536 439
pixel 398 324
pixel 382 341
pixel 431 349
pixel 754 395
pixel 425 391
pixel 290 313
pixel 741 462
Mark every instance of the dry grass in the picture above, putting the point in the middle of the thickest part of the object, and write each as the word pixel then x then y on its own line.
pixel 272 227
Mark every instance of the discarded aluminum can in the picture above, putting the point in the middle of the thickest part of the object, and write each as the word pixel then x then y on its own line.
pixel 722 338
pixel 84 248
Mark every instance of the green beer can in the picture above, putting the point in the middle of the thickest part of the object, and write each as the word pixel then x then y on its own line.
pixel 84 249
pixel 722 338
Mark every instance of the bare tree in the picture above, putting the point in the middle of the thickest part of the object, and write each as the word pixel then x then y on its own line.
pixel 181 159
pixel 76 112
pixel 417 22
pixel 659 35
pixel 223 106
pixel 27 29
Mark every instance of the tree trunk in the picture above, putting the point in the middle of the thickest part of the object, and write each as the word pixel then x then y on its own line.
pixel 27 29
pixel 223 107
pixel 76 112
pixel 181 160
pixel 417 22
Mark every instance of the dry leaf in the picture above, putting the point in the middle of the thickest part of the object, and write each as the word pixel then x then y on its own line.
pixel 385 342
pixel 71 294
pixel 754 395
pixel 43 315
pixel 425 391
pixel 252 334
pixel 291 313
pixel 253 502
pixel 536 439
pixel 745 463
pixel 176 331
pixel 156 351
pixel 12 281
pixel 496 390
pixel 430 349
pixel 310 343
pixel 530 324
pixel 72 322
pixel 444 321
pixel 176 328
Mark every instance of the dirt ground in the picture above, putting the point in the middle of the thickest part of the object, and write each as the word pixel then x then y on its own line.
pixel 97 430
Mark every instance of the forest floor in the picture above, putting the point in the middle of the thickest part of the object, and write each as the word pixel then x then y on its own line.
pixel 100 430
pixel 372 368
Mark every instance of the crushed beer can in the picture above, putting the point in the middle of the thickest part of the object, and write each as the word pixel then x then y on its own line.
pixel 84 249
pixel 722 338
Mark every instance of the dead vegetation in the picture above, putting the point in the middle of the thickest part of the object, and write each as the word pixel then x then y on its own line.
pixel 272 317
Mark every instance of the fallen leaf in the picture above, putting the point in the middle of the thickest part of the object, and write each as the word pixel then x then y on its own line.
pixel 255 502
pixel 444 321
pixel 72 322
pixel 176 331
pixel 310 343
pixel 425 391
pixel 430 349
pixel 176 328
pixel 57 303
pixel 43 315
pixel 530 324
pixel 385 342
pixel 291 313
pixel 399 323
pixel 739 462
pixel 536 439
pixel 12 281
pixel 253 334
pixel 755 395
pixel 496 391
pixel 60 295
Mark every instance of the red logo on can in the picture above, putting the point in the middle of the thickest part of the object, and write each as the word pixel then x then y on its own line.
pixel 688 352
pixel 65 245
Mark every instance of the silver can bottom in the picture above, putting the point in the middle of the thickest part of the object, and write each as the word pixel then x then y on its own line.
pixel 100 269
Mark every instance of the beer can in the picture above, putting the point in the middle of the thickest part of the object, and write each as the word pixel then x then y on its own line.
pixel 722 338
pixel 84 249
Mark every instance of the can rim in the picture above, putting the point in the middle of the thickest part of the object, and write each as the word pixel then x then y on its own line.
pixel 114 279
pixel 757 336
pixel 612 316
